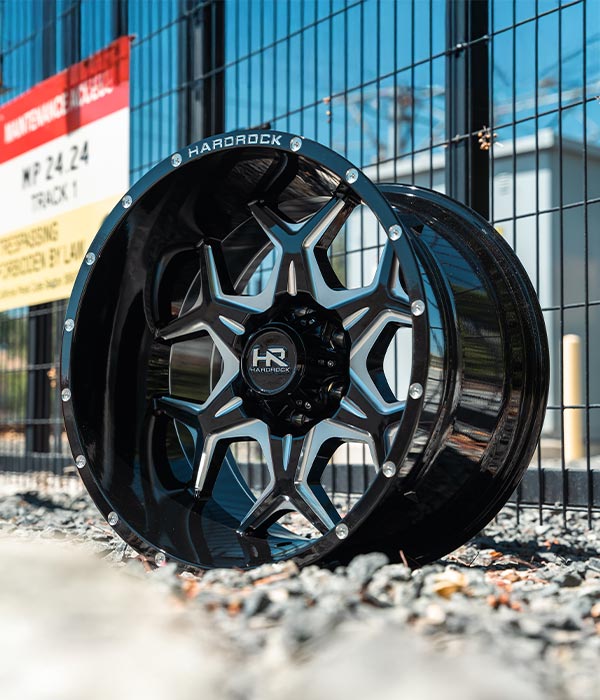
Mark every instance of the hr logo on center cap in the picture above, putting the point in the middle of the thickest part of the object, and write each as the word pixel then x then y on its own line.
pixel 274 359
pixel 270 361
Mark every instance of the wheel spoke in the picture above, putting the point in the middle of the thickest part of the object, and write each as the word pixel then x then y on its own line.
pixel 360 307
pixel 266 510
pixel 213 424
pixel 319 444
pixel 310 466
pixel 212 311
pixel 357 409
pixel 295 243
pixel 232 303
pixel 285 492
pixel 320 225
pixel 274 501
pixel 186 412
pixel 316 506
pixel 215 445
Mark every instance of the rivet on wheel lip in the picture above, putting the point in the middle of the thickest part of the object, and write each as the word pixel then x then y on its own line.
pixel 113 518
pixel 417 307
pixel 126 201
pixel 160 559
pixel 395 232
pixel 415 390
pixel 80 461
pixel 69 325
pixel 388 469
pixel 90 258
pixel 342 531
pixel 176 160
pixel 351 175
pixel 65 394
pixel 296 143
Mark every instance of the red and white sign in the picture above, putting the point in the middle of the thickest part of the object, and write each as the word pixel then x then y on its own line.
pixel 64 162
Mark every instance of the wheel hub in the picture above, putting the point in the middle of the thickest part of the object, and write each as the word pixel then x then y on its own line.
pixel 295 367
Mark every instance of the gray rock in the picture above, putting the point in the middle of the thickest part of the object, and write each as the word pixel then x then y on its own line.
pixel 593 564
pixel 568 578
pixel 256 602
pixel 362 568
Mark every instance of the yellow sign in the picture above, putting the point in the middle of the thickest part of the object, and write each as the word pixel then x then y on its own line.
pixel 40 263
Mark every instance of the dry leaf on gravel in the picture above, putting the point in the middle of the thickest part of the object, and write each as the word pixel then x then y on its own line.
pixel 450 582
pixel 495 555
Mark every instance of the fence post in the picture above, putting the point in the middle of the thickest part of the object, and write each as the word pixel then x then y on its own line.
pixel 202 101
pixel 467 102
pixel 573 417
pixel 119 18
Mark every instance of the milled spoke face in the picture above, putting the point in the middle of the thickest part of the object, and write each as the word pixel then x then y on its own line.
pixel 273 502
pixel 222 316
pixel 286 491
pixel 312 463
pixel 359 307
pixel 295 262
pixel 213 424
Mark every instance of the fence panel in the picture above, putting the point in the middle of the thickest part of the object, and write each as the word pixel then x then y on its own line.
pixel 493 102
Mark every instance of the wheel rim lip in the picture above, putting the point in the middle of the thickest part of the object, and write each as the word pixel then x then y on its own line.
pixel 532 327
pixel 383 211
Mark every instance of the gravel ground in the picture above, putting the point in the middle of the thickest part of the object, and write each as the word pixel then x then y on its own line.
pixel 514 614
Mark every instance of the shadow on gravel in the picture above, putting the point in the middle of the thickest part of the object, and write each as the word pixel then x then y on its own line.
pixel 488 553
pixel 33 498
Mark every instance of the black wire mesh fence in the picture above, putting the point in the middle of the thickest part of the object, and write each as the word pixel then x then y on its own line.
pixel 495 102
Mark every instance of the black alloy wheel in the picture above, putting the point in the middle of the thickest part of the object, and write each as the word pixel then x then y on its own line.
pixel 216 327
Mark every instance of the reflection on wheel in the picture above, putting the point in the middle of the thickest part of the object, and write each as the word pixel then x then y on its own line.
pixel 268 308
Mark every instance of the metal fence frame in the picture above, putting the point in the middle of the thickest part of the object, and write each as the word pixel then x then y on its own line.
pixel 211 84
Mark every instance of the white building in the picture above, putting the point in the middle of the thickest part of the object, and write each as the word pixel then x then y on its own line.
pixel 539 185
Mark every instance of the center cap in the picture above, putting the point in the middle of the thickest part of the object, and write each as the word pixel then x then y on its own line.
pixel 270 361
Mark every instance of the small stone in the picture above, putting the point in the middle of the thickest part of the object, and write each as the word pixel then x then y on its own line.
pixel 397 572
pixel 548 556
pixel 593 564
pixel 568 579
pixel 255 603
pixel 435 614
pixel 531 626
pixel 362 567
